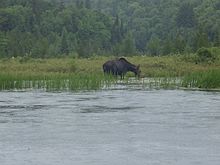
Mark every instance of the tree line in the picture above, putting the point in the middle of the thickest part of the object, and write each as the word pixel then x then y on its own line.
pixel 54 28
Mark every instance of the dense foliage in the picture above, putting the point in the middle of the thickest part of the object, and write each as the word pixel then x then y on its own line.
pixel 50 28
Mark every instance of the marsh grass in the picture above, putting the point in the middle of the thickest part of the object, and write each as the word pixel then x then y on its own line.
pixel 87 74
pixel 54 82
pixel 207 80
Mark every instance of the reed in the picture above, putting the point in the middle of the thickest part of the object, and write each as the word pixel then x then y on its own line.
pixel 54 82
pixel 206 79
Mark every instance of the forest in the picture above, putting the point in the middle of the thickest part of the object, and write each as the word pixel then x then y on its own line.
pixel 85 28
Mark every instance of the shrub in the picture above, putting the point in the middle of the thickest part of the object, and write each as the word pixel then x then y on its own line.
pixel 205 55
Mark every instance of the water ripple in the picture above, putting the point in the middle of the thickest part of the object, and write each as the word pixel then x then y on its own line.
pixel 27 107
pixel 105 109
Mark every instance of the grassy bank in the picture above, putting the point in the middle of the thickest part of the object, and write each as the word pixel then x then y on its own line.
pixel 69 73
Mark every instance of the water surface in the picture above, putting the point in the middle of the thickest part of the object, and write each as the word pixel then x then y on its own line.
pixel 110 127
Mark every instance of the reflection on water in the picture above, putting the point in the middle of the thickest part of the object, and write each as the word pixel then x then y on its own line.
pixel 120 126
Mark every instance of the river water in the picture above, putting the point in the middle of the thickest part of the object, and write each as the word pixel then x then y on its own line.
pixel 110 127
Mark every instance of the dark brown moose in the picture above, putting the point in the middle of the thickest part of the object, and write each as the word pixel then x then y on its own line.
pixel 120 67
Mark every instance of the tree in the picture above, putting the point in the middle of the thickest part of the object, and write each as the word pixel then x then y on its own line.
pixel 40 49
pixel 217 39
pixel 201 40
pixel 88 4
pixel 179 44
pixel 79 4
pixel 36 9
pixel 153 46
pixel 64 49
pixel 54 27
pixel 7 19
pixel 84 48
pixel 2 4
pixel 116 33
pixel 3 45
pixel 114 7
pixel 167 47
pixel 61 4
pixel 99 5
pixel 128 46
pixel 186 16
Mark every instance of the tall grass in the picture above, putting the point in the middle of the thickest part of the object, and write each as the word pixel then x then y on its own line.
pixel 54 82
pixel 87 74
pixel 207 79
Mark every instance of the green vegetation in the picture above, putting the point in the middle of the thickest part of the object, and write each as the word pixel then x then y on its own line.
pixel 207 55
pixel 83 28
pixel 206 80
pixel 62 44
pixel 85 74
pixel 53 82
pixel 51 74
pixel 164 66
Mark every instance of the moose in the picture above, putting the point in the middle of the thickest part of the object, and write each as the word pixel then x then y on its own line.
pixel 120 67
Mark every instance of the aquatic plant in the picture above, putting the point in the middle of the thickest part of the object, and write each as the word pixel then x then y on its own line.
pixel 206 79
pixel 51 82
